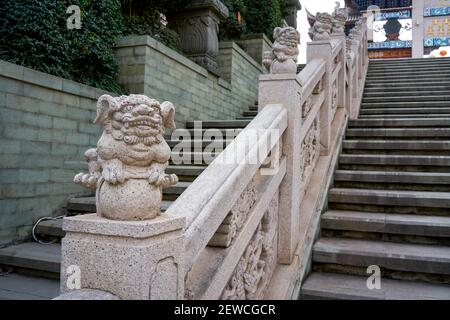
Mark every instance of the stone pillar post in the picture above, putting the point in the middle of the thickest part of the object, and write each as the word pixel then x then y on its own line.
pixel 285 89
pixel 138 260
pixel 198 27
pixel 128 248
pixel 281 86
pixel 322 50
pixel 342 72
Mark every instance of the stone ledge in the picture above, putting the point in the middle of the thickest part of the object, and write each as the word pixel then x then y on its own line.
pixel 42 79
pixel 133 41
pixel 233 45
pixel 93 224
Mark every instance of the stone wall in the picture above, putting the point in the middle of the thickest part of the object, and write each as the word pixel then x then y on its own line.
pixel 149 67
pixel 255 45
pixel 46 126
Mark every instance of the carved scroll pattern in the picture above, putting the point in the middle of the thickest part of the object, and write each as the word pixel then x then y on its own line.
pixel 334 95
pixel 307 106
pixel 310 150
pixel 254 270
pixel 235 220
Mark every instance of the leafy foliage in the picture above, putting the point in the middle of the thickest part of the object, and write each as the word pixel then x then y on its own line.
pixel 144 18
pixel 263 16
pixel 232 27
pixel 35 34
pixel 260 16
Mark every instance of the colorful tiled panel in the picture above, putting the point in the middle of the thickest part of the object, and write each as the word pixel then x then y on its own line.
pixel 390 44
pixel 401 14
pixel 433 12
pixel 436 42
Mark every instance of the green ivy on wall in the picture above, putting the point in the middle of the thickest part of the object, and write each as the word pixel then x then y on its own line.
pixel 35 34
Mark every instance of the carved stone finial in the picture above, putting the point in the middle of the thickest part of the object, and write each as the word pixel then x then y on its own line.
pixel 339 19
pixel 321 26
pixel 282 58
pixel 127 167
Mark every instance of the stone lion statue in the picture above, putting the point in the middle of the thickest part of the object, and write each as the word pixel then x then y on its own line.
pixel 339 19
pixel 321 25
pixel 127 167
pixel 283 56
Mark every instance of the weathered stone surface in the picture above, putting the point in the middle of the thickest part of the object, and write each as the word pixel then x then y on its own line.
pixel 130 259
pixel 127 168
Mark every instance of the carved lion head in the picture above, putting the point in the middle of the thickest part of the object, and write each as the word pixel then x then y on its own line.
pixel 135 118
pixel 286 43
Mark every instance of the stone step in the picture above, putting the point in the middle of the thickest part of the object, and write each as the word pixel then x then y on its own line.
pixel 407 76
pixel 397 144
pixel 52 228
pixel 420 71
pixel 348 287
pixel 206 133
pixel 432 178
pixel 411 80
pixel 177 189
pixel 393 256
pixel 395 160
pixel 253 108
pixel 409 89
pixel 250 113
pixel 190 171
pixel 409 62
pixel 428 106
pixel 198 143
pixel 390 198
pixel 407 98
pixel 193 158
pixel 87 205
pixel 400 123
pixel 404 116
pixel 400 111
pixel 410 94
pixel 32 256
pixel 219 124
pixel 402 224
pixel 399 132
pixel 402 85
pixel 14 286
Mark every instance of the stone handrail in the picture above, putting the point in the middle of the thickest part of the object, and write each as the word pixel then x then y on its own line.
pixel 245 227
pixel 231 212
pixel 208 200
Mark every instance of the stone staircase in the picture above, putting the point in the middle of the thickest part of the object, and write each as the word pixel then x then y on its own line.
pixel 41 260
pixel 390 202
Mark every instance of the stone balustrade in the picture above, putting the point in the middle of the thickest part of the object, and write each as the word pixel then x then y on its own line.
pixel 245 227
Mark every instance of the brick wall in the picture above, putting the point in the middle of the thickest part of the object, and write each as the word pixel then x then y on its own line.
pixel 46 126
pixel 46 121
pixel 147 66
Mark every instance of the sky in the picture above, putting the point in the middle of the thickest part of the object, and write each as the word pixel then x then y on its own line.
pixel 313 6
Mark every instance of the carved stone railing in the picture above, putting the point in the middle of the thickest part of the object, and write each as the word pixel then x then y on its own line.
pixel 244 228
pixel 356 65
pixel 231 213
